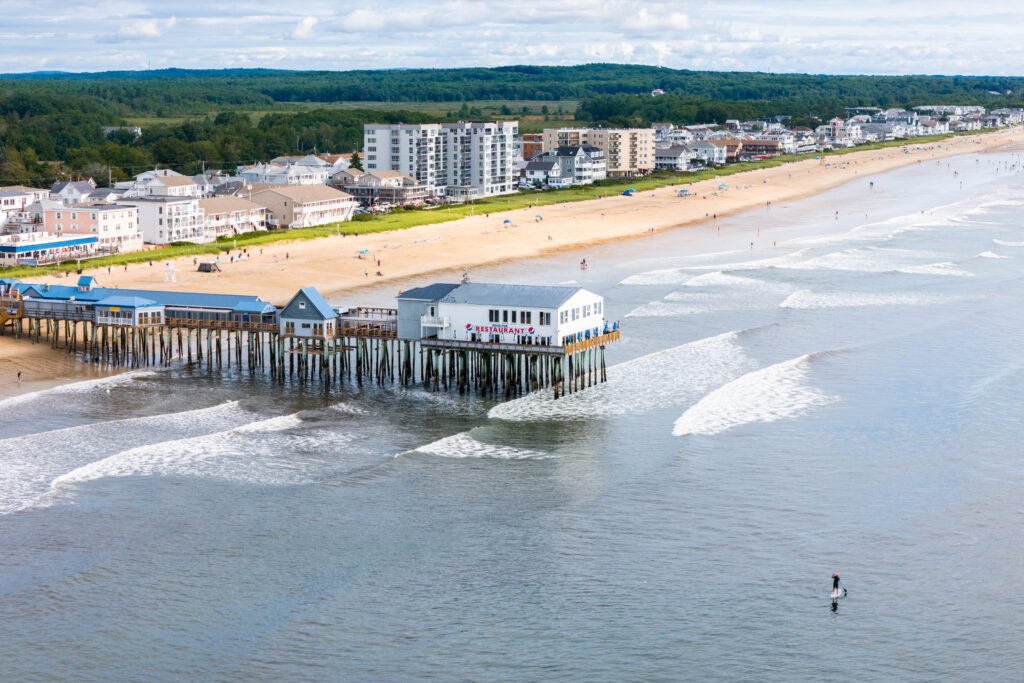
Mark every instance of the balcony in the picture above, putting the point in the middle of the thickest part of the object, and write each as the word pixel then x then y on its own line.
pixel 439 322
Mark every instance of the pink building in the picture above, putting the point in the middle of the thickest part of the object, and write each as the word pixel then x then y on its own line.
pixel 116 226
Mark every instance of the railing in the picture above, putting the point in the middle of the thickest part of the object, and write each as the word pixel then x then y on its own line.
pixel 367 329
pixel 244 326
pixel 434 321
pixel 599 340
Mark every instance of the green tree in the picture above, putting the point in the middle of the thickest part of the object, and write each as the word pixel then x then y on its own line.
pixel 357 163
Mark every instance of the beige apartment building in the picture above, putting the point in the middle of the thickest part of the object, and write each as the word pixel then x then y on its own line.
pixel 628 151
pixel 303 206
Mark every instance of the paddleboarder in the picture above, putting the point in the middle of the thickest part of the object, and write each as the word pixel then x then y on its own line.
pixel 835 582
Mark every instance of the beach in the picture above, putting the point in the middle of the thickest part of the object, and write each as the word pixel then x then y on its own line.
pixel 407 258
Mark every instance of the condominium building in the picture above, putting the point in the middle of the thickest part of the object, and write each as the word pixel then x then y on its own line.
pixel 226 216
pixel 628 151
pixel 457 160
pixel 163 220
pixel 303 206
pixel 116 226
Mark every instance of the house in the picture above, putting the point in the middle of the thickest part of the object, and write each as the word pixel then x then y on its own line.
pixel 733 148
pixel 101 195
pixel 163 220
pixel 678 158
pixel 13 202
pixel 544 174
pixel 72 191
pixel 337 162
pixel 171 186
pixel 498 313
pixel 227 216
pixel 288 170
pixel 382 188
pixel 759 149
pixel 303 206
pixel 628 151
pixel 577 165
pixel 309 316
pixel 115 225
pixel 708 152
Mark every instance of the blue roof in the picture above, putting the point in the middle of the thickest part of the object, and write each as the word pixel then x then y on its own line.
pixel 178 299
pixel 47 246
pixel 127 302
pixel 319 302
pixel 253 307
pixel 86 281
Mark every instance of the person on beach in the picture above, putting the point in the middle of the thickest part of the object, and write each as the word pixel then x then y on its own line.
pixel 19 378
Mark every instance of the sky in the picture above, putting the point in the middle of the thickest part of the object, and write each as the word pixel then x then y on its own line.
pixel 792 36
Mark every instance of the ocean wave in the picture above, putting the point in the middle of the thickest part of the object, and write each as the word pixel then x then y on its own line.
pixel 773 393
pixel 866 260
pixel 29 463
pixel 1006 243
pixel 665 309
pixel 682 275
pixel 944 268
pixel 665 378
pixel 992 254
pixel 82 387
pixel 808 299
pixel 243 453
pixel 347 408
pixel 462 445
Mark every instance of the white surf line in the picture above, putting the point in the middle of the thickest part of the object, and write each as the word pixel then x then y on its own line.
pixel 772 393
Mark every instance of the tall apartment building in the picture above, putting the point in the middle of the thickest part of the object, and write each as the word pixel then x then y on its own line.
pixel 457 160
pixel 628 151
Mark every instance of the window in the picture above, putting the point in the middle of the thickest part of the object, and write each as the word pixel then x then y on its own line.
pixel 504 315
pixel 513 316
pixel 305 326
pixel 289 328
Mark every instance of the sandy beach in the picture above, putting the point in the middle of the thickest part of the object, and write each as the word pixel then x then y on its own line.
pixel 335 265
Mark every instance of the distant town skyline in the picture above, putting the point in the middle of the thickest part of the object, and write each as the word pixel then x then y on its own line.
pixel 868 37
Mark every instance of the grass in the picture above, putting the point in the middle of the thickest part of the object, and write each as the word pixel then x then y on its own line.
pixel 402 220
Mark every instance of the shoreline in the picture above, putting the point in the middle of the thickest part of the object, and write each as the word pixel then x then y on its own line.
pixel 416 255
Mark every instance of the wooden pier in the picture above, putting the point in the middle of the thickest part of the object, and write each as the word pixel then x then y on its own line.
pixel 361 344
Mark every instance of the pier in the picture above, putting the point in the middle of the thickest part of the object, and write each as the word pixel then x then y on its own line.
pixel 306 339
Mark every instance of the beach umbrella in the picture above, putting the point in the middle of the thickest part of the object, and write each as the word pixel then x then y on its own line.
pixel 538 216
pixel 507 220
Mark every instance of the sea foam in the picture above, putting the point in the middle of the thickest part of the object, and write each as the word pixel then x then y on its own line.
pixel 462 445
pixel 674 376
pixel 773 393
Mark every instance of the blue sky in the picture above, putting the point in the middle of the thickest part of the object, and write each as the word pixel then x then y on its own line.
pixel 894 37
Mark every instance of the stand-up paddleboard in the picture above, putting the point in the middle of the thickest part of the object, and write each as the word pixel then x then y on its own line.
pixel 838 593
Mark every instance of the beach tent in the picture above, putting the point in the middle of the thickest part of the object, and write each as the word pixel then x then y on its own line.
pixel 682 193
pixel 538 216
pixel 507 220
pixel 628 193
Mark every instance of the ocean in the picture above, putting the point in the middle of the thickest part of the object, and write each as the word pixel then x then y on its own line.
pixel 827 385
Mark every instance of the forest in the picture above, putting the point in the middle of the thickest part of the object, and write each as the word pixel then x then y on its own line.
pixel 51 123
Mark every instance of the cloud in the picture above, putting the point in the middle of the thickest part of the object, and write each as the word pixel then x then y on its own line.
pixel 141 29
pixel 304 29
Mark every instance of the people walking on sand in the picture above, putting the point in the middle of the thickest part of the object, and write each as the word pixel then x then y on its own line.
pixel 366 272
pixel 19 377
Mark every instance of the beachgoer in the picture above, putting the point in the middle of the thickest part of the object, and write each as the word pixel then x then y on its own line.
pixel 835 583
pixel 286 256
pixel 366 272
pixel 19 376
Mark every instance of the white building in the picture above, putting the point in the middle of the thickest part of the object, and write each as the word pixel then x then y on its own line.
pixel 577 165
pixel 73 191
pixel 674 158
pixel 494 313
pixel 226 216
pixel 163 220
pixel 307 170
pixel 458 160
pixel 708 152
pixel 171 186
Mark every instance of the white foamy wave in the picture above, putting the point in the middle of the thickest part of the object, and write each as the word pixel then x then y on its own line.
pixel 665 309
pixel 991 254
pixel 29 463
pixel 463 445
pixel 721 279
pixel 808 299
pixel 674 376
pixel 1008 244
pixel 866 260
pixel 681 275
pixel 945 268
pixel 245 453
pixel 773 393
pixel 82 387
